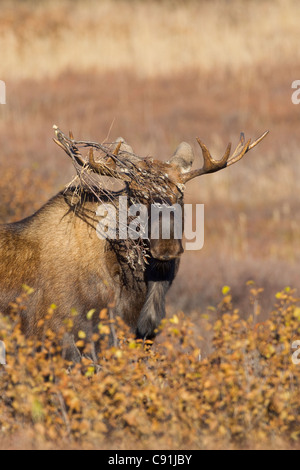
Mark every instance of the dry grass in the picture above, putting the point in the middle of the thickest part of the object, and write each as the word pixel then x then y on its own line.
pixel 148 38
pixel 159 73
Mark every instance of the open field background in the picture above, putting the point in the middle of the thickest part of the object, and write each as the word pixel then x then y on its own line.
pixel 158 73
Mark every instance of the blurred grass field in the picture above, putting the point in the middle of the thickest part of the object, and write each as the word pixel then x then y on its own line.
pixel 149 38
pixel 158 73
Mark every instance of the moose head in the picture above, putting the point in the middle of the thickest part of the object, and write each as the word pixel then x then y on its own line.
pixel 153 183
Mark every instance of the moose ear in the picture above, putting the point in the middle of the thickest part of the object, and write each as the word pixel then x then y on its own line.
pixel 124 146
pixel 183 157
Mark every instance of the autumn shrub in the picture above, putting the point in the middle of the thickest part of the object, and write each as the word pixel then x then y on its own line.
pixel 244 394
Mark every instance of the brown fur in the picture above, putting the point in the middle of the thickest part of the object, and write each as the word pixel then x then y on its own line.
pixel 57 252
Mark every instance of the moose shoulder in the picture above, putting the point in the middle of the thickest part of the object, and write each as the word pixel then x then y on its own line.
pixel 58 252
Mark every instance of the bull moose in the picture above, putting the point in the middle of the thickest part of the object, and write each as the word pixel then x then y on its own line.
pixel 58 252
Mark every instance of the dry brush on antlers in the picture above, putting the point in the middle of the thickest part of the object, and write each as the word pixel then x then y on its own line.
pixel 144 179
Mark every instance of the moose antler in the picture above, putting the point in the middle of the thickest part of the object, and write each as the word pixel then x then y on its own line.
pixel 211 165
pixel 142 174
pixel 105 167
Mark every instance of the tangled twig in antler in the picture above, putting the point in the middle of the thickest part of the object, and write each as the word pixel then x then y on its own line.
pixel 144 178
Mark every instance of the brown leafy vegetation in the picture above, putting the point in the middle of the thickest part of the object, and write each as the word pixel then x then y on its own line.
pixel 245 393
